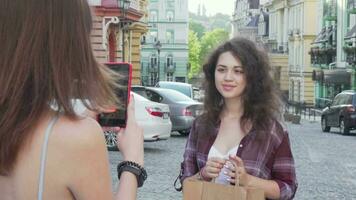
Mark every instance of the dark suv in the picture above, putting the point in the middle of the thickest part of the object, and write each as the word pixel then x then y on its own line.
pixel 340 113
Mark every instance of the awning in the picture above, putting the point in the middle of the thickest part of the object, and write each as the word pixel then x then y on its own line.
pixel 351 33
pixel 337 76
pixel 325 34
pixel 320 35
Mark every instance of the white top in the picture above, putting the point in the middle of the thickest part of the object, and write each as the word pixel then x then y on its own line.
pixel 213 152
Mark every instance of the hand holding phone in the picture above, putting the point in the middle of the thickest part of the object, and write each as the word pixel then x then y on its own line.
pixel 130 139
pixel 118 116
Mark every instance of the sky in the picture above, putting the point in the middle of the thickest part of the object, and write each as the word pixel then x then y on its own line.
pixel 213 6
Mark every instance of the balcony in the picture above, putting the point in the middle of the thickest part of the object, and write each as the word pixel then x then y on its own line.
pixel 277 48
pixel 152 68
pixel 322 55
pixel 351 6
pixel 170 68
pixel 350 52
pixel 330 13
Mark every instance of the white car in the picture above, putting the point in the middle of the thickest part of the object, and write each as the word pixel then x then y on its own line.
pixel 152 117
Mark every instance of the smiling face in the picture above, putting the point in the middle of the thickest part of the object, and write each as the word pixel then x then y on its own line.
pixel 230 79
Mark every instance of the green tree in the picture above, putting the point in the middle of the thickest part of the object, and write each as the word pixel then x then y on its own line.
pixel 220 21
pixel 194 52
pixel 210 41
pixel 197 27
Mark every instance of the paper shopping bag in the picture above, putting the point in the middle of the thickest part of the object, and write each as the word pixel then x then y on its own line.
pixel 194 189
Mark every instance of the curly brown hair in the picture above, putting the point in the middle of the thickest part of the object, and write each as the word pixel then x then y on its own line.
pixel 261 99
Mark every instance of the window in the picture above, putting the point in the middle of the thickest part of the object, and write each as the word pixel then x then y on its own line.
pixel 152 79
pixel 180 79
pixel 170 36
pixel 153 16
pixel 153 96
pixel 153 60
pixel 153 36
pixel 170 16
pixel 169 76
pixel 169 60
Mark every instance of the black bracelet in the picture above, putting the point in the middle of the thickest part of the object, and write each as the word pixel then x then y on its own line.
pixel 134 168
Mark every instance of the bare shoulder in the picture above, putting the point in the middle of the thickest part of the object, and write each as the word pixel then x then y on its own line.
pixel 80 144
pixel 79 134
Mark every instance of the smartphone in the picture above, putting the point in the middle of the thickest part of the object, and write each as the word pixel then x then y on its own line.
pixel 117 117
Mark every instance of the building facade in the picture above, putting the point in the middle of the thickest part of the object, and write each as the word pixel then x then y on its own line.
pixel 302 23
pixel 333 51
pixel 164 55
pixel 245 19
pixel 272 33
pixel 118 27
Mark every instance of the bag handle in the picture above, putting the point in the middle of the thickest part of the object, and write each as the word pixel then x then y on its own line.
pixel 179 188
pixel 238 181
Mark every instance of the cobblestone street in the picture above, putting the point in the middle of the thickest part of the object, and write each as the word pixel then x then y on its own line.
pixel 326 164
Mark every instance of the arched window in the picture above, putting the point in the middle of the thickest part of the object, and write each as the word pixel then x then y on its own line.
pixel 169 67
pixel 153 16
pixel 170 15
pixel 169 59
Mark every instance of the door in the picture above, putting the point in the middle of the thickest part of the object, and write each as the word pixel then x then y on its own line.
pixel 332 114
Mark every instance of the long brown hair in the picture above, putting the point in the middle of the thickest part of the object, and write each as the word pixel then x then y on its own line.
pixel 261 100
pixel 45 56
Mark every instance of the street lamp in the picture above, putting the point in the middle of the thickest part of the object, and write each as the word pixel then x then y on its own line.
pixel 124 6
pixel 158 47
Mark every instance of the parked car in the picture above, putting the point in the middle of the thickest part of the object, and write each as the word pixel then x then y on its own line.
pixel 340 113
pixel 151 116
pixel 185 88
pixel 138 89
pixel 183 109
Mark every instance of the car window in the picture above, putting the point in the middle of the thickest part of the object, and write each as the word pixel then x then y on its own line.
pixel 185 89
pixel 348 99
pixel 139 97
pixel 344 99
pixel 153 96
pixel 336 100
pixel 140 91
pixel 176 96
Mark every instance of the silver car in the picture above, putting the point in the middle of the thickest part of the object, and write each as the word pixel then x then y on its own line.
pixel 185 88
pixel 183 109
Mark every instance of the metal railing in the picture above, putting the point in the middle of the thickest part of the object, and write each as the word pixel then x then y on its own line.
pixel 302 109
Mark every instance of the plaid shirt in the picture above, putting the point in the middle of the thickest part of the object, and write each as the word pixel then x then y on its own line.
pixel 268 158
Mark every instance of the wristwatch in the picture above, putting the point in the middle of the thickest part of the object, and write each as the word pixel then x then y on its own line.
pixel 134 168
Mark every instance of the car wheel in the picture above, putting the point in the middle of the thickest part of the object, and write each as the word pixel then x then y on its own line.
pixel 344 129
pixel 111 141
pixel 184 133
pixel 324 125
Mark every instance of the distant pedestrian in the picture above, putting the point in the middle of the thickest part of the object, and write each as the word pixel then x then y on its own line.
pixel 48 151
pixel 239 130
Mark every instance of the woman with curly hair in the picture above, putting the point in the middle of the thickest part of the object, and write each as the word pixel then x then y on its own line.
pixel 240 129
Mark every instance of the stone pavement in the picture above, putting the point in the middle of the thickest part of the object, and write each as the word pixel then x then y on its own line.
pixel 325 164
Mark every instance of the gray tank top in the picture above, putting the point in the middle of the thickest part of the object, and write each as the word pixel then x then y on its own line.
pixel 44 156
